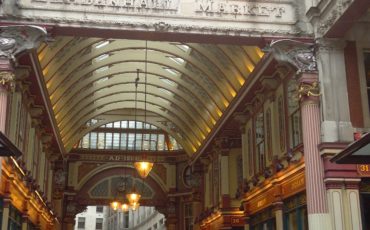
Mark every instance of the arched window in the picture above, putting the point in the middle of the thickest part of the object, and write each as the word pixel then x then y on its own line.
pixel 120 135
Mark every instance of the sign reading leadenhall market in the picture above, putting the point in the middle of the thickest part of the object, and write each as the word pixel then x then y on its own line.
pixel 229 16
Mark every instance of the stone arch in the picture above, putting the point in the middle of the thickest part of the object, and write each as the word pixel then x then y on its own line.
pixel 153 182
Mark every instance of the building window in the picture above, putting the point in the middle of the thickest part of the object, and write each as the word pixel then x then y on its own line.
pixel 263 220
pixel 15 219
pixel 126 220
pixel 295 213
pixel 187 176
pixel 99 223
pixel 260 142
pixel 99 209
pixel 294 114
pixel 367 74
pixel 188 216
pixel 81 223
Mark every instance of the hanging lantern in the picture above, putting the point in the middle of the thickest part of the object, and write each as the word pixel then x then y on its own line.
pixel 143 168
pixel 124 207
pixel 133 196
pixel 114 205
pixel 135 206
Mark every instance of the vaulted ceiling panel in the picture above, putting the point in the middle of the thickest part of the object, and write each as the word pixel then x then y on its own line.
pixel 189 86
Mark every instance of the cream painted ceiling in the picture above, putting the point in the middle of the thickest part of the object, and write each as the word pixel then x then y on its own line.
pixel 189 85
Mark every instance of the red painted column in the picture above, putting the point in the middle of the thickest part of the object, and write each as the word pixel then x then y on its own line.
pixel 318 213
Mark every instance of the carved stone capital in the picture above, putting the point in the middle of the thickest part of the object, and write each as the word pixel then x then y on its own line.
pixel 7 78
pixel 17 39
pixel 300 55
pixel 309 89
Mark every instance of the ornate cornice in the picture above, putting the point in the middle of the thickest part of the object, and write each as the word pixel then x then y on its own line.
pixel 300 55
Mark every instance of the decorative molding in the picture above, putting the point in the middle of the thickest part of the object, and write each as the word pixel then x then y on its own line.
pixel 300 55
pixel 17 39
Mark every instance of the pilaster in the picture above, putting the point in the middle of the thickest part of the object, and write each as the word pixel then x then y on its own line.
pixel 335 112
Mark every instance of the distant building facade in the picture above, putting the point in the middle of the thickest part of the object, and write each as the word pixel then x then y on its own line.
pixel 93 218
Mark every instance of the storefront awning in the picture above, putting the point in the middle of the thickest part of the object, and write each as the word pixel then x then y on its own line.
pixel 356 153
pixel 7 148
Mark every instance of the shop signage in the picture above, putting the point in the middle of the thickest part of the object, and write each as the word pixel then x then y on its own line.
pixel 363 170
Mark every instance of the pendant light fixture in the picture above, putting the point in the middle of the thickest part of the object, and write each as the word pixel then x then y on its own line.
pixel 144 167
pixel 134 197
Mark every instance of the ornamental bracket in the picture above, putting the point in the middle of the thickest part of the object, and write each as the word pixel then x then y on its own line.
pixel 299 54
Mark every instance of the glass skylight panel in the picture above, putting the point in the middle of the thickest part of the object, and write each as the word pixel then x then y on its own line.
pixel 101 57
pixel 101 44
pixel 171 71
pixel 178 60
pixel 169 82
pixel 120 139
pixel 183 47
pixel 101 69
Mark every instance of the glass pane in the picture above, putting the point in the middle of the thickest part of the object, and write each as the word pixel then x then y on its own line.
pixel 116 141
pixel 131 124
pixel 139 125
pixel 108 140
pixel 101 140
pixel 123 141
pixel 153 141
pixel 146 141
pixel 93 140
pixel 124 124
pixel 139 138
pixel 160 144
pixel 117 124
pixel 110 125
pixel 85 141
pixel 130 142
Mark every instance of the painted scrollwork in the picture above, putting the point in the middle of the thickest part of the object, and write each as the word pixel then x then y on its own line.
pixel 300 55
pixel 309 89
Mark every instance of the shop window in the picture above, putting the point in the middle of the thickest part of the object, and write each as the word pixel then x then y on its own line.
pixel 295 213
pixel 260 142
pixel 188 216
pixel 15 219
pixel 99 223
pixel 126 220
pixel 367 74
pixel 263 220
pixel 294 114
pixel 81 223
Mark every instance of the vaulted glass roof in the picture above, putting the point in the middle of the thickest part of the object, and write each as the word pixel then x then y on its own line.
pixel 189 85
pixel 129 135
